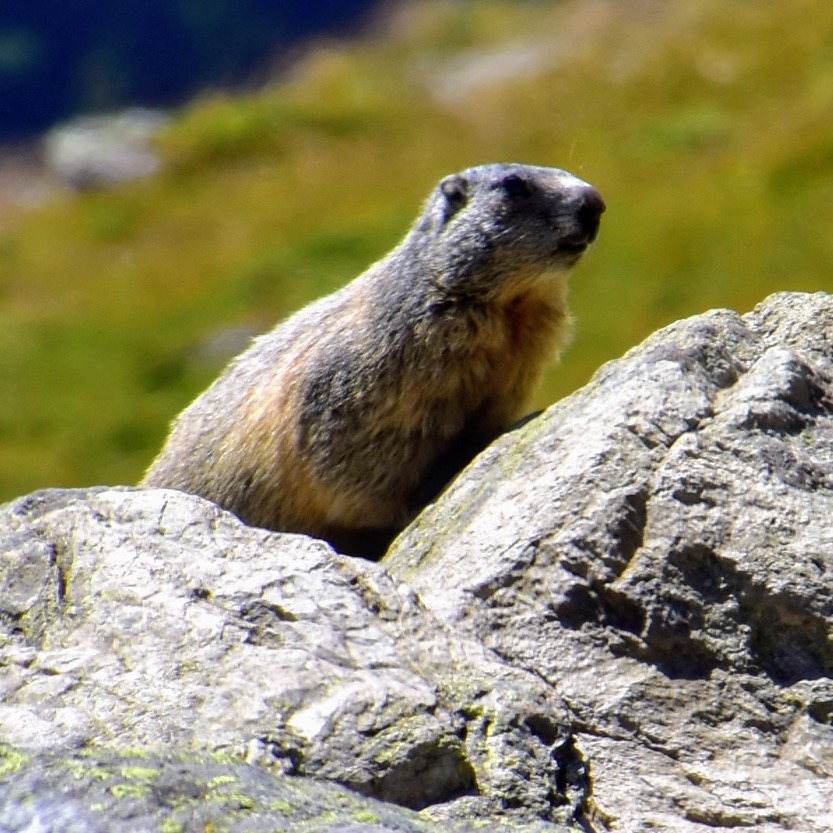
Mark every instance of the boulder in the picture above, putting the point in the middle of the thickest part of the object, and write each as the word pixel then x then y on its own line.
pixel 618 617
pixel 153 620
pixel 658 548
pixel 137 791
pixel 104 150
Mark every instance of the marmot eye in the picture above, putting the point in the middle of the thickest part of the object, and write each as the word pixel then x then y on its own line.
pixel 515 186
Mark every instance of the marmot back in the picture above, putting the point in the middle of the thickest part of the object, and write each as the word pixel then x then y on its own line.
pixel 344 420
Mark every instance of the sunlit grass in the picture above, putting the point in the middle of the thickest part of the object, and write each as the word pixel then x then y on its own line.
pixel 705 124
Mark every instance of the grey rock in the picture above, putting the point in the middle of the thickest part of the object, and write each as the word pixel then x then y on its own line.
pixel 618 617
pixel 659 549
pixel 152 619
pixel 104 791
pixel 96 151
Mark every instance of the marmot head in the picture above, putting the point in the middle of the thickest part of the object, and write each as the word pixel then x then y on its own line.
pixel 488 228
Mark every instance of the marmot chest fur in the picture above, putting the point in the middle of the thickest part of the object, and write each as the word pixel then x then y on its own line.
pixel 347 417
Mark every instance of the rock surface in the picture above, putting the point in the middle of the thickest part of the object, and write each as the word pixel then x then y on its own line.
pixel 97 151
pixel 102 791
pixel 659 549
pixel 618 617
pixel 152 619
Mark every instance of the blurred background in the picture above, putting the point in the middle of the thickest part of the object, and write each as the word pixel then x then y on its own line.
pixel 177 175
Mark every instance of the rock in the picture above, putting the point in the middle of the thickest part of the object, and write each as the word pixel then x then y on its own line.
pixel 154 620
pixel 103 791
pixel 658 548
pixel 619 617
pixel 96 151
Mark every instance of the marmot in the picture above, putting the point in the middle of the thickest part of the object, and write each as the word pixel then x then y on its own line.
pixel 344 420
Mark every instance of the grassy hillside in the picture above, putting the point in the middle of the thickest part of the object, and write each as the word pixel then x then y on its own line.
pixel 706 124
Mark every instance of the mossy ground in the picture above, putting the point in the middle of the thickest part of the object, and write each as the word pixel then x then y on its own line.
pixel 705 124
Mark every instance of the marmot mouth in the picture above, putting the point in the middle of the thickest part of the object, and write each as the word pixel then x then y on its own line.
pixel 576 248
pixel 578 243
pixel 572 249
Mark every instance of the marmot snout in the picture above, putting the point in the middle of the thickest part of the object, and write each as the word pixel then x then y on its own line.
pixel 346 418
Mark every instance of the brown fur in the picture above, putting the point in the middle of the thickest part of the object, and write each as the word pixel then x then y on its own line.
pixel 346 418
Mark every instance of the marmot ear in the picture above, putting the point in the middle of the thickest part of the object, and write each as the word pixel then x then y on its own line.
pixel 455 189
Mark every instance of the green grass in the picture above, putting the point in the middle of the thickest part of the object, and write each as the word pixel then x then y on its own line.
pixel 705 124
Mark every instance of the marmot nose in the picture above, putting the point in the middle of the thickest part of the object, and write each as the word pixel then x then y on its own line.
pixel 590 208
